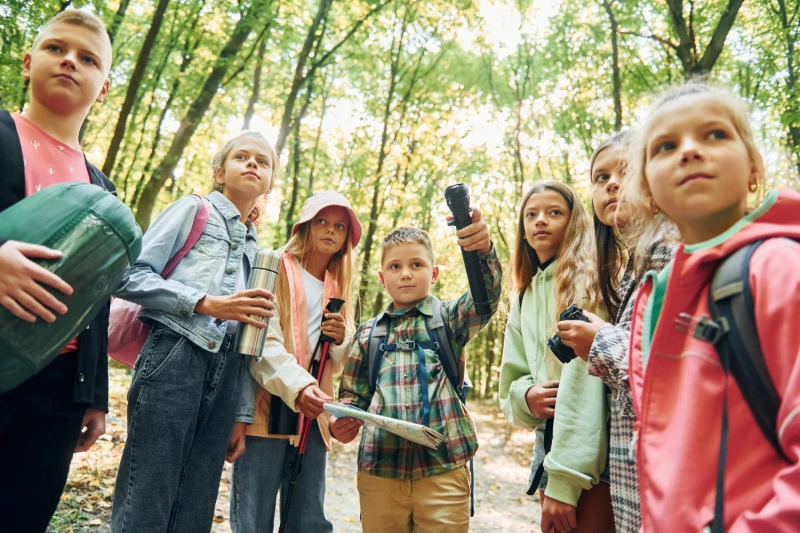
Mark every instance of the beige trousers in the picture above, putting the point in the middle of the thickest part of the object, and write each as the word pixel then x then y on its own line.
pixel 431 504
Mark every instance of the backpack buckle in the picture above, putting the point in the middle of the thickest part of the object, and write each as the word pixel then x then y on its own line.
pixel 406 346
pixel 710 331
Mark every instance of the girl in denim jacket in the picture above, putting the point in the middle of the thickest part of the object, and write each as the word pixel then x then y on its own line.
pixel 184 396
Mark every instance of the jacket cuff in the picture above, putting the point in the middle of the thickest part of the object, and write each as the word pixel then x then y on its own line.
pixel 187 302
pixel 247 419
pixel 563 489
pixel 522 416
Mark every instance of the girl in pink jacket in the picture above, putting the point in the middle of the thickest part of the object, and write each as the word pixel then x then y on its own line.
pixel 696 161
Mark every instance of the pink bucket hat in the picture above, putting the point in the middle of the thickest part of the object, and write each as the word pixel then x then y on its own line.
pixel 322 199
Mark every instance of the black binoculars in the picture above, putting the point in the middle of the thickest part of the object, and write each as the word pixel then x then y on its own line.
pixel 564 353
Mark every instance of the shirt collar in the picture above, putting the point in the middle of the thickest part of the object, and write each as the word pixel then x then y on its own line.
pixel 229 211
pixel 425 307
pixel 225 206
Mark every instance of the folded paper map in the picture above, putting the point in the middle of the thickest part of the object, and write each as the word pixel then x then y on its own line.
pixel 407 430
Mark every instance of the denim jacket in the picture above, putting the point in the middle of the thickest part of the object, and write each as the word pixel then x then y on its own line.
pixel 171 302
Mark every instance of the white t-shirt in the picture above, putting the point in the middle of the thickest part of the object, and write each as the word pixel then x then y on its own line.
pixel 315 292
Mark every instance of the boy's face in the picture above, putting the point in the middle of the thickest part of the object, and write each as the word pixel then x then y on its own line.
pixel 68 68
pixel 407 273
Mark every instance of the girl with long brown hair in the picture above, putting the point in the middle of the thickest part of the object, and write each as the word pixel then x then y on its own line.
pixel 553 268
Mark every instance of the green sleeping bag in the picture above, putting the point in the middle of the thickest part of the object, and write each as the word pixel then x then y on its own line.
pixel 99 239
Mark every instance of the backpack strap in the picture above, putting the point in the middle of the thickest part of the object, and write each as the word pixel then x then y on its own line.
pixel 732 308
pixel 376 348
pixel 440 336
pixel 199 224
pixel 548 445
pixel 730 302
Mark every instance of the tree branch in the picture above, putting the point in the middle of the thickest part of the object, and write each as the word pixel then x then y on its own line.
pixel 661 40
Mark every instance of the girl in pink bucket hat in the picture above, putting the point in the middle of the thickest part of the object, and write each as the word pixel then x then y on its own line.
pixel 317 265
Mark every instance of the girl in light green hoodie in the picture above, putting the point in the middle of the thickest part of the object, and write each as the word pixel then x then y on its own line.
pixel 552 268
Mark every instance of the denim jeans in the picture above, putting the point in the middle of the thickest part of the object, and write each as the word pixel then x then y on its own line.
pixel 181 408
pixel 262 471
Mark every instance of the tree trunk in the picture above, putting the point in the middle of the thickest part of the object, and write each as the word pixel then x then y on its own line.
pixel 686 49
pixel 251 104
pixel 793 123
pixel 300 76
pixel 616 84
pixel 116 22
pixel 187 56
pixel 295 184
pixel 373 213
pixel 299 72
pixel 315 153
pixel 133 85
pixel 196 112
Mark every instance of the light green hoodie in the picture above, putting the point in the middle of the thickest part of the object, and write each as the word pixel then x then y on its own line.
pixel 580 429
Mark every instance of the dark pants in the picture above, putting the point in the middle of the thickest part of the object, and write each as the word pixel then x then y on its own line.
pixel 39 427
pixel 181 409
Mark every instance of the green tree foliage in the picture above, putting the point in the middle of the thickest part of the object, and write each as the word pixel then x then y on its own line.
pixel 390 101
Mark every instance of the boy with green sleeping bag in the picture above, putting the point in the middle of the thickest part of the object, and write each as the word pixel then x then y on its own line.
pixel 61 409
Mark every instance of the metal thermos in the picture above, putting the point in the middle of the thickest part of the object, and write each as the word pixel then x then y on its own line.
pixel 263 275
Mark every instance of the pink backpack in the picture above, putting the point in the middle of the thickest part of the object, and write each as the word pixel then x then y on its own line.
pixel 126 334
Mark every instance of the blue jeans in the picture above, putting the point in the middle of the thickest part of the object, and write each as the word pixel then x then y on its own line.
pixel 181 408
pixel 262 471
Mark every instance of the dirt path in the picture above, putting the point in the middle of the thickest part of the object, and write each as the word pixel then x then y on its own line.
pixel 500 475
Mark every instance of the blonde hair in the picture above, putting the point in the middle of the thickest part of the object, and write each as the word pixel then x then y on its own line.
pixel 648 224
pixel 219 162
pixel 406 235
pixel 76 17
pixel 340 266
pixel 575 275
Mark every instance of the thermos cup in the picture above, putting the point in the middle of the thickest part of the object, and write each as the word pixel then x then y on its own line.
pixel 263 275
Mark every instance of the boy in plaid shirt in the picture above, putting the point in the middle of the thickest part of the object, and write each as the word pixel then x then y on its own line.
pixel 404 486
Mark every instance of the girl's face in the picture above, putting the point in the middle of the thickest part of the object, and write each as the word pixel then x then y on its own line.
pixel 330 229
pixel 545 218
pixel 607 171
pixel 247 170
pixel 698 168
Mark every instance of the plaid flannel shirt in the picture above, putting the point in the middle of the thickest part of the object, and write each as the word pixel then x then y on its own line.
pixel 398 393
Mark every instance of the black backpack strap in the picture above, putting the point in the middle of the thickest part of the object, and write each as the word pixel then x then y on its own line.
pixel 548 444
pixel 730 302
pixel 440 336
pixel 377 340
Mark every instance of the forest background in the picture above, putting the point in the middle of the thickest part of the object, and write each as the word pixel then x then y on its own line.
pixel 390 101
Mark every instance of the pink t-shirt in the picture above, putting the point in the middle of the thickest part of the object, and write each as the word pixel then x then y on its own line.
pixel 48 162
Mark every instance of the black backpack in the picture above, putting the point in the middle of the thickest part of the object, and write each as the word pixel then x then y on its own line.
pixel 439 335
pixel 733 332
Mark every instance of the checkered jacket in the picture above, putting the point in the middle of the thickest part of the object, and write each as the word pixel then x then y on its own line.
pixel 608 360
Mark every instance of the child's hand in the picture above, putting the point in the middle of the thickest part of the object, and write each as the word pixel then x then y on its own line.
pixel 558 515
pixel 93 425
pixel 334 327
pixel 476 235
pixel 345 429
pixel 238 306
pixel 236 446
pixel 579 335
pixel 541 399
pixel 310 401
pixel 21 284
